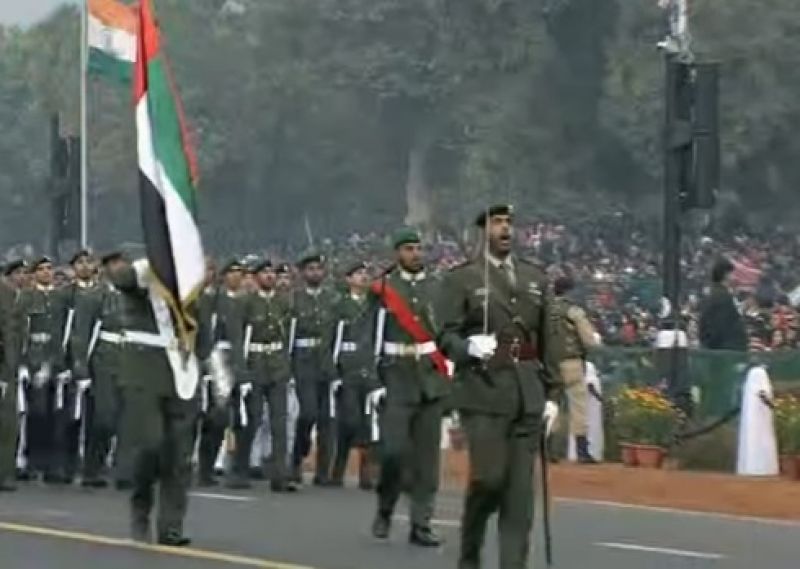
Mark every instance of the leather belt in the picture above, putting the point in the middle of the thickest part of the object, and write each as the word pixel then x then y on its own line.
pixel 517 351
pixel 409 350
pixel 263 348
pixel 307 342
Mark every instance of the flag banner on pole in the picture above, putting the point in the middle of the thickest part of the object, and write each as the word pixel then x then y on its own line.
pixel 167 177
pixel 111 34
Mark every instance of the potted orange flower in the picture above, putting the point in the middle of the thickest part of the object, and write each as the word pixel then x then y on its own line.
pixel 645 421
pixel 787 429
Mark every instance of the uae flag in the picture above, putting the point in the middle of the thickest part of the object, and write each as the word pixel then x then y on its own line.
pixel 111 33
pixel 167 177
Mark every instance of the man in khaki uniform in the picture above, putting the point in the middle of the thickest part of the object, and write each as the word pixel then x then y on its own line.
pixel 579 337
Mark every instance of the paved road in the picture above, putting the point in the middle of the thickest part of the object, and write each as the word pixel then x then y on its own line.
pixel 69 528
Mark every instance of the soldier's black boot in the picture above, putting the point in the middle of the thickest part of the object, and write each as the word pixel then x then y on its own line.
pixel 173 537
pixel 424 536
pixel 582 450
pixel 382 525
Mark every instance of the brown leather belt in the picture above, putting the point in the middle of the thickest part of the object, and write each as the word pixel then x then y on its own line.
pixel 517 351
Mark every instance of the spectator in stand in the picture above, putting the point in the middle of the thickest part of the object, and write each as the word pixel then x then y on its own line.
pixel 721 325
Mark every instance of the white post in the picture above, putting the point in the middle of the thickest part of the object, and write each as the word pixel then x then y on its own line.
pixel 84 126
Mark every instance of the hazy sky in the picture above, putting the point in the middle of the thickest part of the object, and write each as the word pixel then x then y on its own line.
pixel 27 11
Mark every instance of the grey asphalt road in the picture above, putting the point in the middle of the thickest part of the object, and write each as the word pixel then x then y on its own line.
pixel 70 528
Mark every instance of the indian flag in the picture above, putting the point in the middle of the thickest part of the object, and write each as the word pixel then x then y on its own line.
pixel 111 33
pixel 167 178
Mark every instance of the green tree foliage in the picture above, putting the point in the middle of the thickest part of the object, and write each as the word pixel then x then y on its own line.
pixel 363 113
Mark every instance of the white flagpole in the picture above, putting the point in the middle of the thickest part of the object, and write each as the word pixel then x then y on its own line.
pixel 84 125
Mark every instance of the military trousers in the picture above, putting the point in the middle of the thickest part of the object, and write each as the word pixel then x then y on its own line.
pixel 314 397
pixel 158 431
pixel 53 435
pixel 409 454
pixel 502 453
pixel 9 421
pixel 352 423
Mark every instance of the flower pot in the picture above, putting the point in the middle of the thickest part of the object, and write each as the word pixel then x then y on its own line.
pixel 628 454
pixel 649 456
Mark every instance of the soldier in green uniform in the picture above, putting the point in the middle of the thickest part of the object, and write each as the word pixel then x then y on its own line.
pixel 506 387
pixel 311 341
pixel 354 358
pixel 214 408
pixel 40 308
pixel 96 357
pixel 159 389
pixel 75 298
pixel 265 344
pixel 284 283
pixel 228 387
pixel 578 337
pixel 415 390
pixel 9 355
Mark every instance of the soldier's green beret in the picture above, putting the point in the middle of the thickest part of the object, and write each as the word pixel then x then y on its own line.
pixel 404 236
pixel 232 265
pixel 311 258
pixel 79 255
pixel 44 260
pixel 112 256
pixel 15 265
pixel 352 268
pixel 499 209
pixel 260 265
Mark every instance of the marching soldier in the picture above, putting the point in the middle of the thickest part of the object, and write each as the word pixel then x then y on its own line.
pixel 76 298
pixel 40 375
pixel 310 349
pixel 414 376
pixel 159 385
pixel 265 342
pixel 228 388
pixel 17 275
pixel 96 357
pixel 9 354
pixel 354 358
pixel 284 283
pixel 498 328
pixel 214 411
pixel 579 337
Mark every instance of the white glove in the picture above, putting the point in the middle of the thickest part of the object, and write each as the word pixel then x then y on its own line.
pixel 482 346
pixel 292 383
pixel 549 416
pixel 23 374
pixel 3 389
pixel 336 385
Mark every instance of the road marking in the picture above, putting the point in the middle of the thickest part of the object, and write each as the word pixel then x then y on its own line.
pixel 228 497
pixel 660 550
pixel 187 552
pixel 678 511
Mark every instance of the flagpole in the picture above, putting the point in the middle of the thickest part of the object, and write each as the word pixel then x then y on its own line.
pixel 84 126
